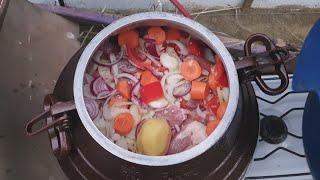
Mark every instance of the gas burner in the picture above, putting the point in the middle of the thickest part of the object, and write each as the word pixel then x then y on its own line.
pixel 273 129
pixel 285 159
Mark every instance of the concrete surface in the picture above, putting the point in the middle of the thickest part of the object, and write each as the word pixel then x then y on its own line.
pixel 34 47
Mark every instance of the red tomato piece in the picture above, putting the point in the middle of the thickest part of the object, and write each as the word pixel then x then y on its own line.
pixel 151 92
pixel 213 104
pixel 195 48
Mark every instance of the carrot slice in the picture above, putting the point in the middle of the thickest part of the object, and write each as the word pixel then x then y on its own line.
pixel 129 38
pixel 211 126
pixel 190 69
pixel 118 99
pixel 124 88
pixel 147 77
pixel 199 90
pixel 221 109
pixel 158 34
pixel 173 34
pixel 123 123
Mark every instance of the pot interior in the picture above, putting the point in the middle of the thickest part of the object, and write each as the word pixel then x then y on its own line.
pixel 171 21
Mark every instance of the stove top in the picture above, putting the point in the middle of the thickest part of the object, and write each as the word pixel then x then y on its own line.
pixel 285 158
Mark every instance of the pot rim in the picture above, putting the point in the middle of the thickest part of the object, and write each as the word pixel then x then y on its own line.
pixel 209 38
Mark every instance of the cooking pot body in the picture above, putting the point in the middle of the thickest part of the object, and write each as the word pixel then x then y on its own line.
pixel 194 29
pixel 228 158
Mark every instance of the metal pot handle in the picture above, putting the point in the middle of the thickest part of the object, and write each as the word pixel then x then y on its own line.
pixel 55 111
pixel 251 66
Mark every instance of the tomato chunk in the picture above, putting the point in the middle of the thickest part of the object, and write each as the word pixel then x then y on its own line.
pixel 151 92
pixel 194 48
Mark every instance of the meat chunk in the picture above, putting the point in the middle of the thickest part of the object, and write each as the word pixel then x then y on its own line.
pixel 179 144
pixel 192 134
pixel 173 114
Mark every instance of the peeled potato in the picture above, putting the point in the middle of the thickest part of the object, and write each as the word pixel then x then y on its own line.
pixel 154 137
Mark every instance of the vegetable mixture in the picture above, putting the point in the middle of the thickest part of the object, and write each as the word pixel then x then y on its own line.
pixel 155 90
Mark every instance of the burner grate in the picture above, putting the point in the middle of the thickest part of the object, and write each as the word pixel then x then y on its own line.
pixel 286 160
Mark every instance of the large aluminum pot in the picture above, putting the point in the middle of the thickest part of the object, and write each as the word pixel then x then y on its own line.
pixel 226 152
pixel 157 19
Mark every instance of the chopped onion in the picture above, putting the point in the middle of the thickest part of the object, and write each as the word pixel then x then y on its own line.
pixel 205 72
pixel 119 104
pixel 151 58
pixel 135 94
pixel 114 68
pixel 105 73
pixel 174 78
pixel 127 67
pixel 102 62
pixel 87 92
pixel 139 125
pixel 160 103
pixel 148 115
pixel 150 46
pixel 201 113
pixel 187 97
pixel 128 76
pixel 88 78
pixel 92 108
pixel 219 93
pixel 169 62
pixel 169 97
pixel 98 86
pixel 182 89
pixel 111 113
pixel 105 95
pixel 225 93
pixel 134 110
pixel 160 49
pixel 182 48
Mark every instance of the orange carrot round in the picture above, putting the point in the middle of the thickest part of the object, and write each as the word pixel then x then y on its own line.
pixel 124 88
pixel 199 90
pixel 157 33
pixel 190 69
pixel 211 126
pixel 123 123
pixel 173 34
pixel 147 77
pixel 129 38
pixel 221 109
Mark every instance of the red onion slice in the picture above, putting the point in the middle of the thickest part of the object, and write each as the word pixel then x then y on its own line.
pixel 87 92
pixel 102 62
pixel 98 86
pixel 128 76
pixel 150 46
pixel 201 113
pixel 92 108
pixel 139 125
pixel 87 78
pixel 151 58
pixel 182 89
pixel 127 67
pixel 182 48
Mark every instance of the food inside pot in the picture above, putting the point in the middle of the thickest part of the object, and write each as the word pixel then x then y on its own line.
pixel 155 90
